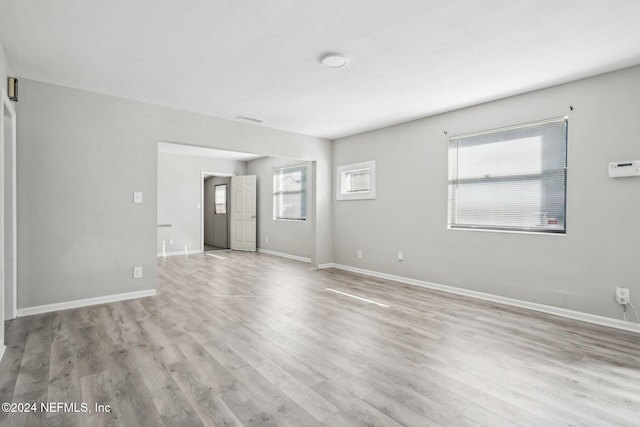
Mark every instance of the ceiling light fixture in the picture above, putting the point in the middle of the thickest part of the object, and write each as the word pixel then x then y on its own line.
pixel 334 60
pixel 249 119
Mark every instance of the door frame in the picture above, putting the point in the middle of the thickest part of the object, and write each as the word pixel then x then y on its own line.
pixel 204 174
pixel 7 107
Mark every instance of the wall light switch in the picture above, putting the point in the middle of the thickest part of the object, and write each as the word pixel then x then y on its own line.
pixel 137 197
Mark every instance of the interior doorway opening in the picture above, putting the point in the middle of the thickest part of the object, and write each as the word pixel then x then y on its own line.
pixel 184 172
pixel 216 194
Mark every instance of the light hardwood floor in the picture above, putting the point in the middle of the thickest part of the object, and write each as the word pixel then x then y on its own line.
pixel 257 340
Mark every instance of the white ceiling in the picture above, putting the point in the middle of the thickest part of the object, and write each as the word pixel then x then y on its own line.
pixel 256 58
pixel 191 150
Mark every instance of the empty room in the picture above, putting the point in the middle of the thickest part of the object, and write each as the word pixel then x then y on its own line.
pixel 331 213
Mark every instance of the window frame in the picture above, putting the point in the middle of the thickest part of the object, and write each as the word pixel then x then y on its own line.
pixel 515 177
pixel 341 182
pixel 215 202
pixel 303 193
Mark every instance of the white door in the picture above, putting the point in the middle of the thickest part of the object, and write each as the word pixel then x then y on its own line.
pixel 243 213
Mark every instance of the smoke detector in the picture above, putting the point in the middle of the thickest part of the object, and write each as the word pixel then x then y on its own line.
pixel 334 60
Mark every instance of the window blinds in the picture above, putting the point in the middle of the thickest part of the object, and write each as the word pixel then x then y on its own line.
pixel 510 179
pixel 220 198
pixel 357 181
pixel 290 192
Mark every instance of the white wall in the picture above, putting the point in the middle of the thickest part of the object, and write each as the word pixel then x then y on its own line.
pixel 81 155
pixel 288 237
pixel 578 271
pixel 179 186
pixel 5 67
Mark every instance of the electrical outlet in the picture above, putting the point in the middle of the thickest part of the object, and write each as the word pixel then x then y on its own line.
pixel 359 254
pixel 400 256
pixel 137 197
pixel 137 272
pixel 170 240
pixel 623 296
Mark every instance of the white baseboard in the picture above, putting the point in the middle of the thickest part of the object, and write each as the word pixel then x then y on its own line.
pixel 195 251
pixel 562 312
pixel 323 266
pixel 28 311
pixel 283 255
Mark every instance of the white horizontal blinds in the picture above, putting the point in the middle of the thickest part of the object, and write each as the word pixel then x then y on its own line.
pixel 220 198
pixel 290 192
pixel 510 179
pixel 357 181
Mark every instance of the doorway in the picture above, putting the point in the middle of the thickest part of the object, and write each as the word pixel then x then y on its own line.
pixel 216 191
pixel 182 170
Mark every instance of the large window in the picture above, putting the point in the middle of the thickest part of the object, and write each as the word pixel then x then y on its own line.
pixel 290 192
pixel 510 179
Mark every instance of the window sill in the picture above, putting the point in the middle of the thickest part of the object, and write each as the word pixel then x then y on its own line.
pixel 487 230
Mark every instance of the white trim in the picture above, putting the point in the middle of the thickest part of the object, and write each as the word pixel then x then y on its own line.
pixel 28 311
pixel 194 251
pixel 6 103
pixel 557 311
pixel 2 349
pixel 489 230
pixel 324 266
pixel 283 255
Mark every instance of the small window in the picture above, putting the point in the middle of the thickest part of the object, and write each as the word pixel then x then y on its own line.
pixel 511 179
pixel 290 193
pixel 356 181
pixel 220 195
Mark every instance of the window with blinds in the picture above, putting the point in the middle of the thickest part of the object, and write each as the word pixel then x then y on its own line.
pixel 220 199
pixel 290 192
pixel 510 179
pixel 356 181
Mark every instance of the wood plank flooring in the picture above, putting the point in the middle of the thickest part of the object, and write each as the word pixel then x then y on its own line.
pixel 254 340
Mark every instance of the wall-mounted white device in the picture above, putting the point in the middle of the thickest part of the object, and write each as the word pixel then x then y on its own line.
pixel 626 168
pixel 622 296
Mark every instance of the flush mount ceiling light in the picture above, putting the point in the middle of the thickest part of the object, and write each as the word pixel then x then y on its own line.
pixel 334 60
